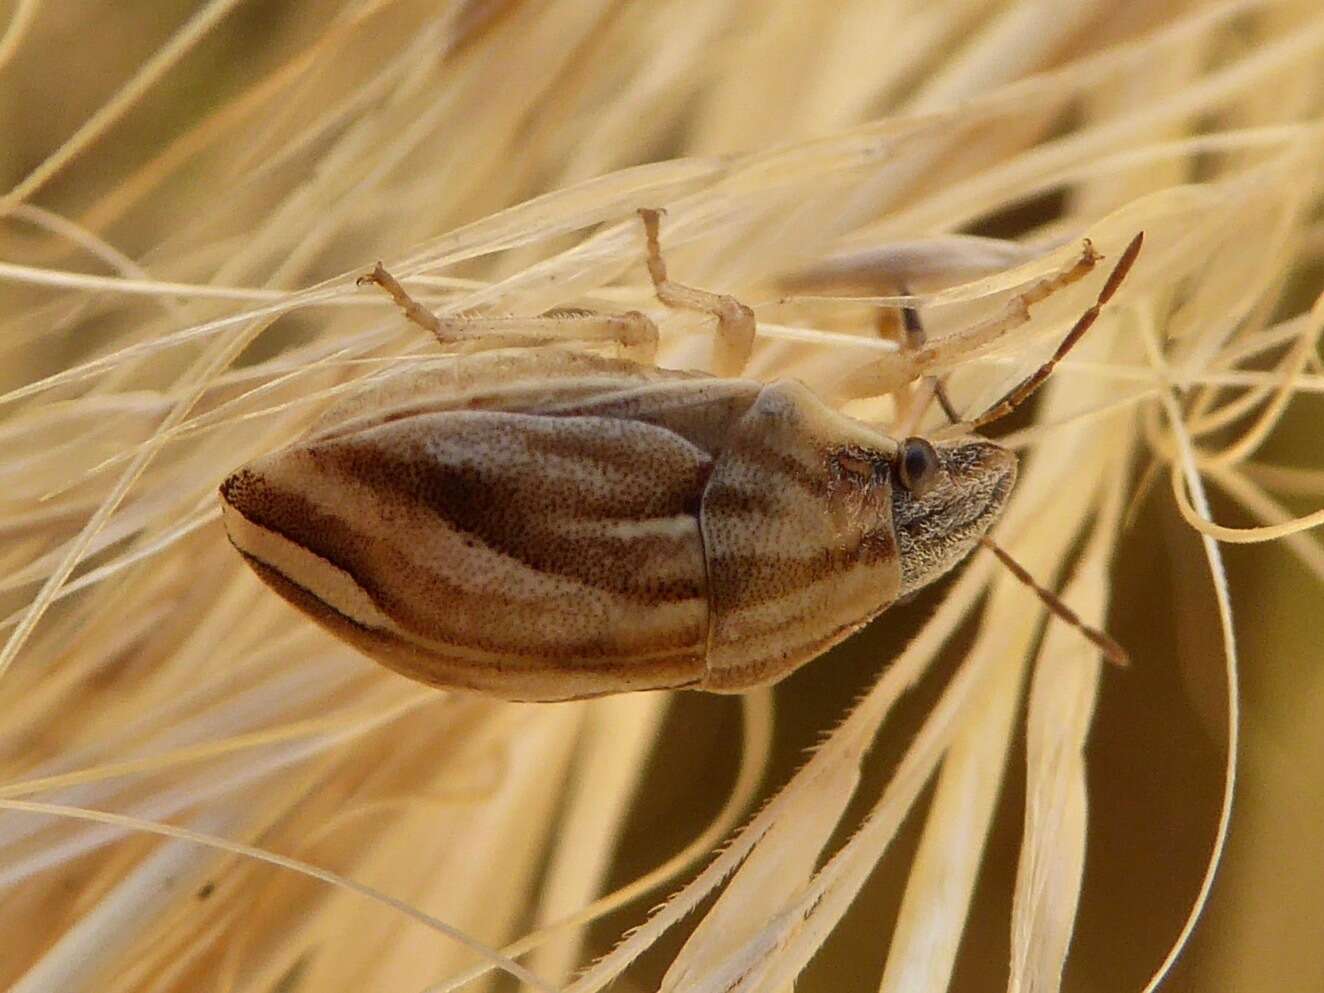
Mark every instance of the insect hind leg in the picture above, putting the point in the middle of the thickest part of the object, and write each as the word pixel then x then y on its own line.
pixel 735 321
pixel 633 331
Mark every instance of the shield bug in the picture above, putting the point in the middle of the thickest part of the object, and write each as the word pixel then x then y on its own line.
pixel 548 524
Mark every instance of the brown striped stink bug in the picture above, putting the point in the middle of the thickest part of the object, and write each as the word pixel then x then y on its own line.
pixel 546 524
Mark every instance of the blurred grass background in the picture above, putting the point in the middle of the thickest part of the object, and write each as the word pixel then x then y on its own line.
pixel 1156 754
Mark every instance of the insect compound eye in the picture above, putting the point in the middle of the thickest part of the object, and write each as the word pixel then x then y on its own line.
pixel 917 465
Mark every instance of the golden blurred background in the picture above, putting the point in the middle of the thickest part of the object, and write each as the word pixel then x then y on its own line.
pixel 221 170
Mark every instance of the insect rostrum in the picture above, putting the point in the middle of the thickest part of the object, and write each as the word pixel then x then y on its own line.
pixel 544 524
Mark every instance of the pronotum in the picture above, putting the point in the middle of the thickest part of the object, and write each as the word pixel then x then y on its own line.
pixel 545 524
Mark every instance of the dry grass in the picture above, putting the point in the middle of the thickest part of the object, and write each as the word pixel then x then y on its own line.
pixel 202 792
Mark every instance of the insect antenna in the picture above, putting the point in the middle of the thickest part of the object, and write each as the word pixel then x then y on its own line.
pixel 1112 651
pixel 1027 386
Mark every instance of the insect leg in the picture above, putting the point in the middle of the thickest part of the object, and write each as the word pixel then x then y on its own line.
pixel 912 401
pixel 915 339
pixel 735 321
pixel 413 310
pixel 952 348
pixel 1022 391
pixel 633 331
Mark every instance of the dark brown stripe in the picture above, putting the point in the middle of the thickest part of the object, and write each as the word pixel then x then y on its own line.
pixel 521 513
pixel 534 678
pixel 300 522
pixel 303 523
pixel 747 581
pixel 777 464
pixel 723 499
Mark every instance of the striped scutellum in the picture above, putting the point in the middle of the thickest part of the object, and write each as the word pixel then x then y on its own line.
pixel 544 524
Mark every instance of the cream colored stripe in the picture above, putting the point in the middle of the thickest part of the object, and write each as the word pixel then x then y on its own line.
pixel 333 586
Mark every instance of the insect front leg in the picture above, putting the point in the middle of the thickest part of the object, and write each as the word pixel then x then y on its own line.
pixel 894 372
pixel 905 267
pixel 955 347
pixel 1022 391
pixel 735 321
pixel 633 331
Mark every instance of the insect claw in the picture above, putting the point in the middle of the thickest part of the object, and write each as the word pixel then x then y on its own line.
pixel 412 309
pixel 377 276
